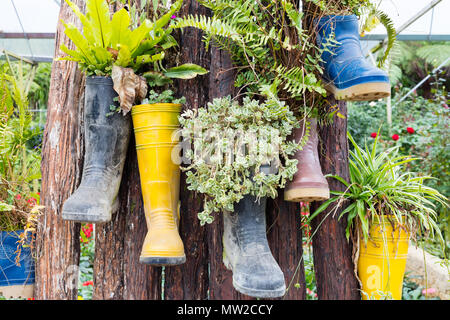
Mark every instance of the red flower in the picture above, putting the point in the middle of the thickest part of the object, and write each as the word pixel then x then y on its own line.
pixel 88 283
pixel 373 135
pixel 410 130
pixel 395 137
pixel 32 201
pixel 18 196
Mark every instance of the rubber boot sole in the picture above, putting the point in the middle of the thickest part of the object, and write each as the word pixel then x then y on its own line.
pixel 86 217
pixel 361 92
pixel 274 293
pixel 306 194
pixel 163 261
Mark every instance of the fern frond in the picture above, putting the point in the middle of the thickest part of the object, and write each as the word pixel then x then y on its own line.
pixel 435 54
pixel 391 33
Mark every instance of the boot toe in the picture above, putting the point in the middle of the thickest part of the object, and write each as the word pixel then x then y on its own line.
pixel 87 205
pixel 261 277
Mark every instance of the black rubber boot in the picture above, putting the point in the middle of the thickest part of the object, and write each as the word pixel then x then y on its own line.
pixel 106 136
pixel 247 252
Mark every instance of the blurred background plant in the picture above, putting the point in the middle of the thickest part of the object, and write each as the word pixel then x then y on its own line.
pixel 19 164
pixel 87 253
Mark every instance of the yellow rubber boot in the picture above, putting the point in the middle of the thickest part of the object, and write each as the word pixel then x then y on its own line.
pixel 382 261
pixel 155 127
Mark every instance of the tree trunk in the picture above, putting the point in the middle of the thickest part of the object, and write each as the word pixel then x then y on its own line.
pixel 221 279
pixel 62 156
pixel 190 280
pixel 118 274
pixel 332 252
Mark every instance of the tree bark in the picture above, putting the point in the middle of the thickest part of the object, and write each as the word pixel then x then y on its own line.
pixel 62 156
pixel 332 252
pixel 221 287
pixel 285 240
pixel 190 280
pixel 118 274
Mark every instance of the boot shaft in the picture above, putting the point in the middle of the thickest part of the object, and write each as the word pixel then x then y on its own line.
pixel 107 132
pixel 155 128
pixel 347 74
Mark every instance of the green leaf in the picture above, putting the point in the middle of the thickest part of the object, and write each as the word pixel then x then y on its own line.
pixel 5 207
pixel 79 41
pixel 139 34
pixel 97 11
pixel 155 78
pixel 121 34
pixel 124 57
pixel 87 25
pixel 185 71
pixel 160 23
pixel 322 207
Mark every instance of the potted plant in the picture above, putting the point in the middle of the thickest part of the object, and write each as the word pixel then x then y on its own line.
pixel 19 190
pixel 113 52
pixel 387 206
pixel 155 122
pixel 240 157
pixel 346 72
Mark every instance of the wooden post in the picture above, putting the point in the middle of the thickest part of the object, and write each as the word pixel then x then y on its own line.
pixel 333 263
pixel 58 247
pixel 221 80
pixel 190 280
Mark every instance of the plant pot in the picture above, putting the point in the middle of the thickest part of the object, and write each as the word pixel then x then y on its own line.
pixel 16 281
pixel 106 136
pixel 347 74
pixel 382 261
pixel 308 183
pixel 155 129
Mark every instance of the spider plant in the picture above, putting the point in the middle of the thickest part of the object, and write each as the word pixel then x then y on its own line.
pixel 380 186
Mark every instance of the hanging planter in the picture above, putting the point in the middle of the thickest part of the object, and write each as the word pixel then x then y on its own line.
pixel 155 128
pixel 16 266
pixel 115 52
pixel 386 206
pixel 106 136
pixel 382 260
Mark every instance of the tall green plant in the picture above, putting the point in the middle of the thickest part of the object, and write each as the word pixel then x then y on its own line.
pixel 107 42
pixel 380 186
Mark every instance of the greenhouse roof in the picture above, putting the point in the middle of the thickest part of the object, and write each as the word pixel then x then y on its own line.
pixel 27 27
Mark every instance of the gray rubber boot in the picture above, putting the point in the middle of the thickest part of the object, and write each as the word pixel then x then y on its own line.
pixel 106 137
pixel 246 251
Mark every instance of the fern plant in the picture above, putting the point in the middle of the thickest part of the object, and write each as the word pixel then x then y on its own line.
pixel 268 45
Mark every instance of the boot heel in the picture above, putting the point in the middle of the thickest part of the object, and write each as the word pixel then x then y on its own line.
pixel 364 92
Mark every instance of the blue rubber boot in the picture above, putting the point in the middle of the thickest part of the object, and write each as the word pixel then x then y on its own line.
pixel 347 74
